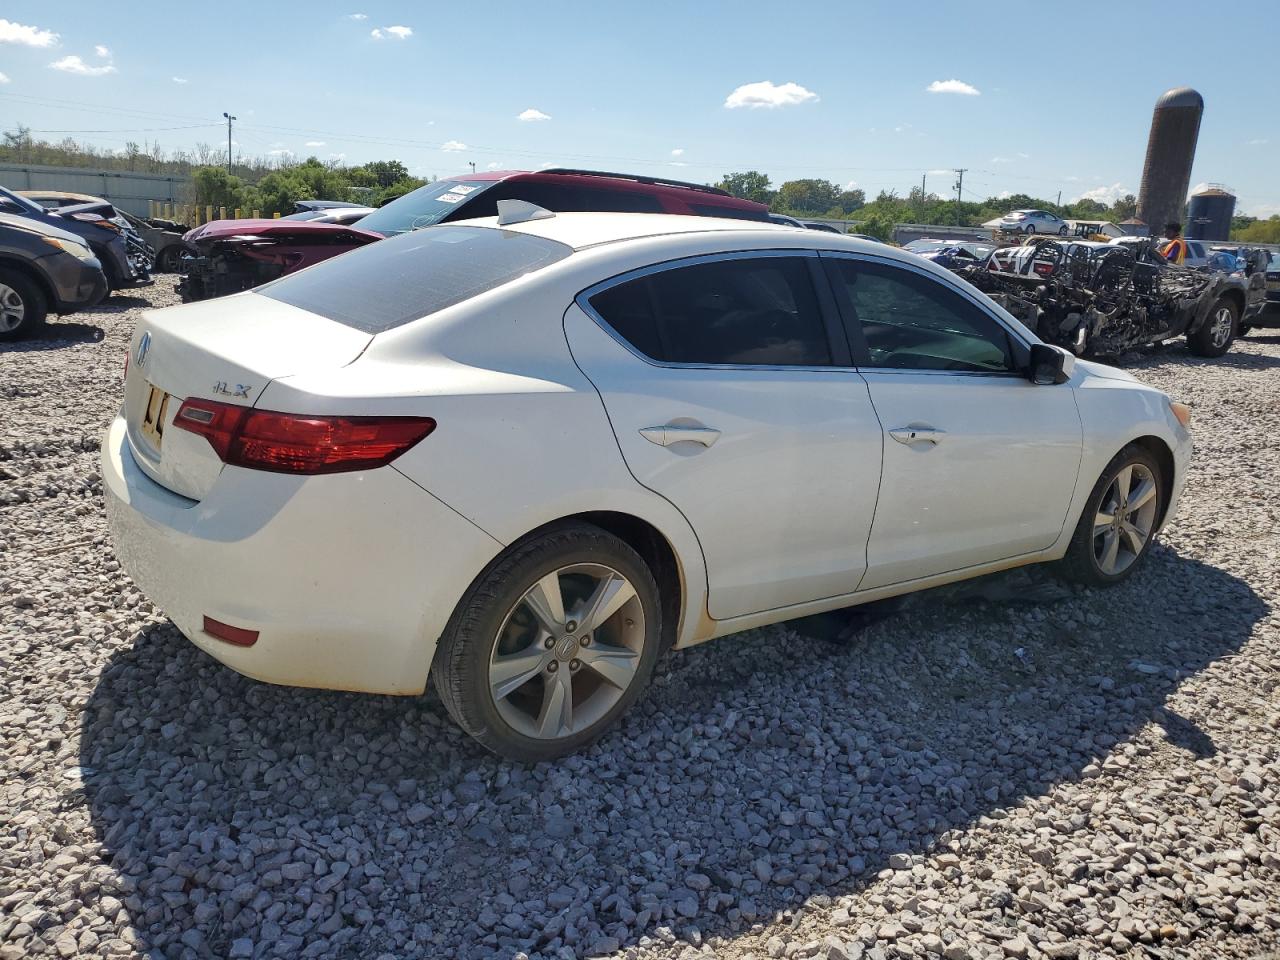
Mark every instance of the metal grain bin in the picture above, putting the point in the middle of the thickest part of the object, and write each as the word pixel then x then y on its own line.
pixel 1171 148
pixel 1209 213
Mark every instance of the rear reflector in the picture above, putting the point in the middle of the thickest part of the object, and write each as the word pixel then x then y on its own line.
pixel 298 443
pixel 223 631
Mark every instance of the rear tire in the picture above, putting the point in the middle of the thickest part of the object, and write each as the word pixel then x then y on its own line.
pixel 22 306
pixel 1062 231
pixel 170 259
pixel 527 667
pixel 1216 334
pixel 1119 521
pixel 1031 228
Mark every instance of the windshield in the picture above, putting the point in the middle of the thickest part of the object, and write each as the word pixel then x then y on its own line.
pixel 423 207
pixel 924 246
pixel 11 199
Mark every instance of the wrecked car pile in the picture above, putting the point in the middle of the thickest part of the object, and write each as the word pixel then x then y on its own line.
pixel 1102 299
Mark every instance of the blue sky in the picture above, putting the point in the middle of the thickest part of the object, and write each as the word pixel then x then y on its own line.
pixel 832 90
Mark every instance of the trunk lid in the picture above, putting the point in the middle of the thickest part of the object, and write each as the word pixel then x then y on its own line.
pixel 228 350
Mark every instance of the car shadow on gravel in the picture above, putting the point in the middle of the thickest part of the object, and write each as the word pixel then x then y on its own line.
pixel 56 333
pixel 761 774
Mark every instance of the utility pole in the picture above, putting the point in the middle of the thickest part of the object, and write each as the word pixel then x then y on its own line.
pixel 923 178
pixel 473 166
pixel 229 119
pixel 1059 199
pixel 959 191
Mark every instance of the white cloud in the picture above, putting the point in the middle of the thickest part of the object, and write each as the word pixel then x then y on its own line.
pixel 337 156
pixel 1002 159
pixel 769 95
pixel 545 166
pixel 1003 195
pixel 397 33
pixel 3 78
pixel 953 86
pixel 677 163
pixel 179 79
pixel 532 114
pixel 678 152
pixel 851 185
pixel 73 64
pixel 280 153
pixel 11 32
pixel 939 172
pixel 902 128
pixel 493 165
pixel 314 143
pixel 1024 156
pixel 1104 194
pixel 1257 143
pixel 101 51
pixel 453 146
pixel 357 16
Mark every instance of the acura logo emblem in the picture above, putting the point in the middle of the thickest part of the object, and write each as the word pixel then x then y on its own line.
pixel 143 346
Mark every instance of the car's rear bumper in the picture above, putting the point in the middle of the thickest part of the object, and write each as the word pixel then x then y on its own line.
pixel 348 578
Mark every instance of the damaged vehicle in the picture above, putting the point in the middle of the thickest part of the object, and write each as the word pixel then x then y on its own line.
pixel 1102 299
pixel 164 237
pixel 235 255
pixel 126 259
pixel 228 256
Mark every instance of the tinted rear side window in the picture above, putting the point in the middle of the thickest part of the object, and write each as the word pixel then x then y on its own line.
pixel 389 283
pixel 731 213
pixel 760 311
pixel 560 198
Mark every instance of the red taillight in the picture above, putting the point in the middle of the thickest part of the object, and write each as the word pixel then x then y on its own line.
pixel 1044 269
pixel 224 631
pixel 298 443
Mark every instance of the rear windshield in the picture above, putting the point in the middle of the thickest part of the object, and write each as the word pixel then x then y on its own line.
pixel 422 207
pixel 389 283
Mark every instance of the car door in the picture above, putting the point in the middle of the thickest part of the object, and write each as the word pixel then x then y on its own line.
pixel 980 464
pixel 730 390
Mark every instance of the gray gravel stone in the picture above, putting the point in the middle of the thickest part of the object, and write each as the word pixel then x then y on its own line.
pixel 1006 768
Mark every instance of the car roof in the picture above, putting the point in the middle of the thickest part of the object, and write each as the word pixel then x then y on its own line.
pixel 627 182
pixel 583 230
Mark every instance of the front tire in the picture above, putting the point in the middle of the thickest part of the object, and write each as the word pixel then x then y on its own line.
pixel 1216 334
pixel 1119 521
pixel 1031 228
pixel 551 644
pixel 1062 231
pixel 22 306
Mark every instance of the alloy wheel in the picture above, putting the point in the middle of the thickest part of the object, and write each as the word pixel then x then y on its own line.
pixel 1125 520
pixel 1220 331
pixel 567 651
pixel 12 309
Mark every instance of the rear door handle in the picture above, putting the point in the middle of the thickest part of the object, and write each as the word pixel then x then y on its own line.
pixel 918 434
pixel 669 433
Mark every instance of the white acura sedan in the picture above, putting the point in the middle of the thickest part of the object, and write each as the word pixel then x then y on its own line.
pixel 524 456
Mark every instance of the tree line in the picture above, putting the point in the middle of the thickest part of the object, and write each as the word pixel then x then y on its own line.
pixel 272 184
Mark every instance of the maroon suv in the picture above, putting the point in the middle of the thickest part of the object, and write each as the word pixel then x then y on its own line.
pixel 234 255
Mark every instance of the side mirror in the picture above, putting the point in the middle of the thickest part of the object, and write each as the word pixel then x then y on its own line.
pixel 1050 364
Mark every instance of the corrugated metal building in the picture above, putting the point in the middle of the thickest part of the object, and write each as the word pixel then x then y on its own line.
pixel 127 190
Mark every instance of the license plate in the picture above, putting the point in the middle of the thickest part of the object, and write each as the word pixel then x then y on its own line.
pixel 153 418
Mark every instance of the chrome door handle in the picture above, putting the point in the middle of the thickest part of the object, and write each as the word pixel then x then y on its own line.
pixel 667 434
pixel 909 435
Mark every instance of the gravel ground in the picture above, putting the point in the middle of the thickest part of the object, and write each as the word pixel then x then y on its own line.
pixel 1014 771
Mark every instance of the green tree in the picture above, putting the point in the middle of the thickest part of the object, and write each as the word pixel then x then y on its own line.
pixel 215 187
pixel 751 185
pixel 1125 208
pixel 877 225
pixel 807 196
pixel 1260 231
pixel 385 172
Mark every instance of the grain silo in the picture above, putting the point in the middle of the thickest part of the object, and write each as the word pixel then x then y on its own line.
pixel 1171 148
pixel 1209 213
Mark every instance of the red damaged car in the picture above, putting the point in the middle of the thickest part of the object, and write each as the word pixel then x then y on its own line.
pixel 234 255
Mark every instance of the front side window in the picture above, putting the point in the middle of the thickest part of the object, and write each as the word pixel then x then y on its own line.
pixel 911 322
pixel 758 311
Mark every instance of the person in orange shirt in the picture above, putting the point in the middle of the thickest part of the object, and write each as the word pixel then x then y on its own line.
pixel 1174 248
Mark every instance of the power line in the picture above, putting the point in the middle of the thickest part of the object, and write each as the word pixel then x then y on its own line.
pixel 193 126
